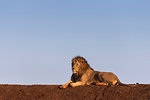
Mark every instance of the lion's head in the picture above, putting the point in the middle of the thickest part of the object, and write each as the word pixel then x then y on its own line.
pixel 79 65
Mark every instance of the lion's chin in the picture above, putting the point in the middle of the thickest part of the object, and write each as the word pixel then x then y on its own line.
pixel 75 73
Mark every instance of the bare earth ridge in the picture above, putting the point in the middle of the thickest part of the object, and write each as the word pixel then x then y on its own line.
pixel 52 92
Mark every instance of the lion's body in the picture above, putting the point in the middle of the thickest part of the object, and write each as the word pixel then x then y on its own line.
pixel 83 74
pixel 91 76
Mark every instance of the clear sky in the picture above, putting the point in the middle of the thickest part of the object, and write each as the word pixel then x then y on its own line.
pixel 38 39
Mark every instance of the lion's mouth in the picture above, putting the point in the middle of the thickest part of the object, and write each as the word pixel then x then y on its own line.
pixel 74 72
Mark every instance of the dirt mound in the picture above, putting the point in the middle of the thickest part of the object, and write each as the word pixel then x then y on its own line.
pixel 52 92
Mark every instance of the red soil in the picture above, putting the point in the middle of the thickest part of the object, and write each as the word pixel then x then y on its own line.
pixel 52 92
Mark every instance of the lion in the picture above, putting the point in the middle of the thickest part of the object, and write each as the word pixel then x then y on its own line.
pixel 83 74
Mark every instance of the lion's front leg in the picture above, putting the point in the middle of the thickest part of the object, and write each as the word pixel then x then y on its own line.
pixel 76 84
pixel 65 85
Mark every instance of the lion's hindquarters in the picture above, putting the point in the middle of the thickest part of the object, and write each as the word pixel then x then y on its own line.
pixel 108 77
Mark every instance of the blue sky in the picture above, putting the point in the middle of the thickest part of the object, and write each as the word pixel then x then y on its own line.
pixel 38 39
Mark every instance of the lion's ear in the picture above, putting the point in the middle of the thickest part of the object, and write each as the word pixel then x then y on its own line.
pixel 82 61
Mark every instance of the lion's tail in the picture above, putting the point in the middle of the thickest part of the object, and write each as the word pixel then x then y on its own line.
pixel 120 83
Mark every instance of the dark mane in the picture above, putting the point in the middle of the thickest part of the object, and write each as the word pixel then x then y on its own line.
pixel 85 65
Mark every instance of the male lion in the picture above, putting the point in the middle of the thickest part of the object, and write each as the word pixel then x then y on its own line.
pixel 83 74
